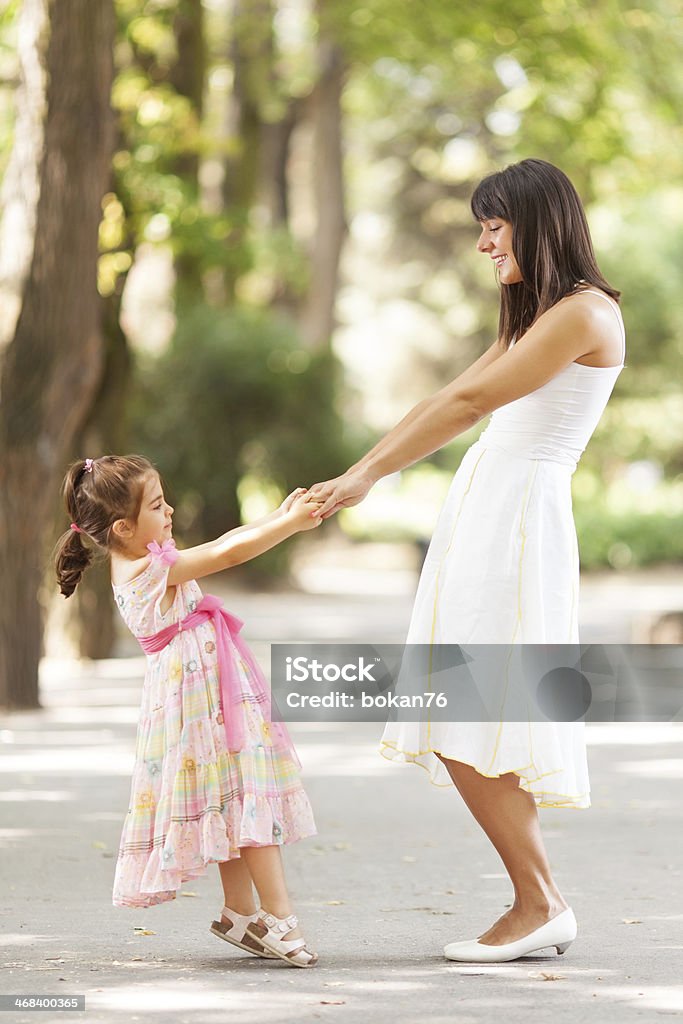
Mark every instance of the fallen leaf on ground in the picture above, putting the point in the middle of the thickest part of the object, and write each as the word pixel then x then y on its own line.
pixel 334 903
pixel 631 920
pixel 143 931
pixel 189 894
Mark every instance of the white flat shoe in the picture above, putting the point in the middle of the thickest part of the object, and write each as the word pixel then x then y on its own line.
pixel 559 932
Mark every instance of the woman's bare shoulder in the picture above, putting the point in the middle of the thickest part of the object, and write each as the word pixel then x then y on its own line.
pixel 597 316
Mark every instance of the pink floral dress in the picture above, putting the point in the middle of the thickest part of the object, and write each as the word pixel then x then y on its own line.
pixel 192 802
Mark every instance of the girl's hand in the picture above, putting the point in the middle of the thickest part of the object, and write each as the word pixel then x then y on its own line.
pixel 303 512
pixel 289 500
pixel 342 492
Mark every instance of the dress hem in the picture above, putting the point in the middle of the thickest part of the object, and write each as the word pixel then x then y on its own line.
pixel 398 756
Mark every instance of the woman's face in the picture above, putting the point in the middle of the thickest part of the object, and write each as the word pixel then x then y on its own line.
pixel 496 240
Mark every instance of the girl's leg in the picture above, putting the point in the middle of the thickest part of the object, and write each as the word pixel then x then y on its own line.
pixel 268 875
pixel 237 888
pixel 509 817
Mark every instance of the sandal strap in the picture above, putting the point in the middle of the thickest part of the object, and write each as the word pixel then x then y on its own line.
pixel 279 924
pixel 235 917
pixel 292 945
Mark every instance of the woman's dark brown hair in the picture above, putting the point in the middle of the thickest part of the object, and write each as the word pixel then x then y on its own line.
pixel 95 497
pixel 551 241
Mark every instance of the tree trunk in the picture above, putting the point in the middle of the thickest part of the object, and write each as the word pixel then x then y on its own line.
pixel 187 77
pixel 317 317
pixel 251 55
pixel 104 431
pixel 51 364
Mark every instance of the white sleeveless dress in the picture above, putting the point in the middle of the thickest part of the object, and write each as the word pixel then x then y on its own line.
pixel 503 568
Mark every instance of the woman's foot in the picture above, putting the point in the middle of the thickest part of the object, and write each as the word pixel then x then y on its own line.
pixel 516 923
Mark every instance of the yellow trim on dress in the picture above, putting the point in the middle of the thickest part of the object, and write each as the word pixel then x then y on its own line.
pixel 522 522
pixel 438 573
pixel 411 757
pixel 567 801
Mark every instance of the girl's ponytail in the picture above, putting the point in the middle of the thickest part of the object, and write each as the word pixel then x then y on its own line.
pixel 96 493
pixel 72 558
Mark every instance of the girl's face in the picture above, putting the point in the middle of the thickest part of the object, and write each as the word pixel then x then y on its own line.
pixel 496 240
pixel 154 520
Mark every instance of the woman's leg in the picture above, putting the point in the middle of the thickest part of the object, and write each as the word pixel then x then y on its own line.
pixel 509 817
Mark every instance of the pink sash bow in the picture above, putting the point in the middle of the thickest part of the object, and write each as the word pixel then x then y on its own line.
pixel 225 626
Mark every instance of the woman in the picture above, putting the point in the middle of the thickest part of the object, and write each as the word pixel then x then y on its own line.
pixel 502 566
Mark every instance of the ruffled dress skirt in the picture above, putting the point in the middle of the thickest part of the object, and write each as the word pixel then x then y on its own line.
pixel 192 801
pixel 502 568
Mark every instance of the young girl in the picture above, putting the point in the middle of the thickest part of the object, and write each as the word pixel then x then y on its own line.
pixel 214 779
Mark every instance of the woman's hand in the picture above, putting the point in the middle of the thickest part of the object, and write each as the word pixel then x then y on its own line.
pixel 342 492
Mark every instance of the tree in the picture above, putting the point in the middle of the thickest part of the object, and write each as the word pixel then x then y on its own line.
pixel 51 354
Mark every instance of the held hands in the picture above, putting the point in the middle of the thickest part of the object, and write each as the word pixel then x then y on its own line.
pixel 348 489
pixel 301 509
pixel 289 500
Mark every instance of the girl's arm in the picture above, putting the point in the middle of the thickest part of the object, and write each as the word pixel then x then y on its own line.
pixel 245 542
pixel 271 517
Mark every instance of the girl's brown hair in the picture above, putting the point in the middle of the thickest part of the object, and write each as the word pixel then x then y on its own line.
pixel 551 240
pixel 96 493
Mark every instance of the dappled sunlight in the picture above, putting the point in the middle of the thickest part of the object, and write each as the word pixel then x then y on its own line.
pixel 667 768
pixel 93 760
pixel 662 998
pixel 36 796
pixel 338 761
pixel 22 939
pixel 46 737
pixel 56 671
pixel 15 835
pixel 309 992
pixel 633 733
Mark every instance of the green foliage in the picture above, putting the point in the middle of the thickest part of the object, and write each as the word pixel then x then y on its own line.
pixel 616 526
pixel 236 398
pixel 8 73
pixel 627 539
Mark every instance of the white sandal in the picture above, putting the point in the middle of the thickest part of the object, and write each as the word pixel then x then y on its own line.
pixel 237 932
pixel 268 930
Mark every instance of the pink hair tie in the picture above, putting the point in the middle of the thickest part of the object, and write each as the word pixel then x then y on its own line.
pixel 88 465
pixel 77 529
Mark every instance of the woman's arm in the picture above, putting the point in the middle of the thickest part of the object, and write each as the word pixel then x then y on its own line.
pixel 489 356
pixel 559 336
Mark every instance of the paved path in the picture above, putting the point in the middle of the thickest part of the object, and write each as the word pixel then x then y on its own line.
pixel 399 868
